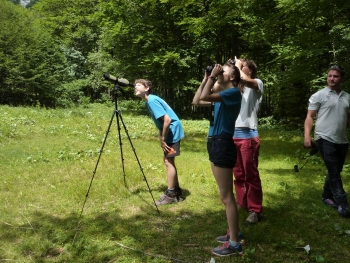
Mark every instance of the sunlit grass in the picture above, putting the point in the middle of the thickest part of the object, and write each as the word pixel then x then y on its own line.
pixel 48 159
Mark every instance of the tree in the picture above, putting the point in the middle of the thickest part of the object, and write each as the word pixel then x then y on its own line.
pixel 73 23
pixel 16 2
pixel 31 64
pixel 306 37
pixel 171 42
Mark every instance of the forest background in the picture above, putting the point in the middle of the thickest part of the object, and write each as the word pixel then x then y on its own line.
pixel 54 53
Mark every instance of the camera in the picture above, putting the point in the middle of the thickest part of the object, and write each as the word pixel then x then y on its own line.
pixel 231 61
pixel 209 69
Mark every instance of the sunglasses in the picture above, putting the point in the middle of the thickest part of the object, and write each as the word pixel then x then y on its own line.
pixel 337 67
pixel 340 69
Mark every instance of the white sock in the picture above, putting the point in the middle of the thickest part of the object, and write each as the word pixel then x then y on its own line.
pixel 233 243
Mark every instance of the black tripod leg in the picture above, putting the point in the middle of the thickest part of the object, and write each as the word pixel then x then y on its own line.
pixel 98 160
pixel 120 144
pixel 296 167
pixel 308 158
pixel 119 116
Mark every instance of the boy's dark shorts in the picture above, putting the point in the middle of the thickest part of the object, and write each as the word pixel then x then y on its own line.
pixel 175 149
pixel 222 150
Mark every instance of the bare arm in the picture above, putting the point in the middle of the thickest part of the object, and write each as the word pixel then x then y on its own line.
pixel 196 99
pixel 246 80
pixel 164 133
pixel 206 94
pixel 309 120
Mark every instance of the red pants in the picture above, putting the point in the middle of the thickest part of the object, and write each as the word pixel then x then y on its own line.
pixel 247 180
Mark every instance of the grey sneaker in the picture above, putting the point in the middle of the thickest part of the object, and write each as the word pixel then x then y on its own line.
pixel 227 250
pixel 343 210
pixel 166 200
pixel 253 218
pixel 169 197
pixel 226 238
pixel 330 202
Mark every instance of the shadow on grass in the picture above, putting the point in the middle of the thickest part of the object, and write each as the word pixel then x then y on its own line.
pixel 180 234
pixel 152 191
pixel 294 216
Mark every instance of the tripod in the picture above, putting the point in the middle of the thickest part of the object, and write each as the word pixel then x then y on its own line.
pixel 119 119
pixel 313 151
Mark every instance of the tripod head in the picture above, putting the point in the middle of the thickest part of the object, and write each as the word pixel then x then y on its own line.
pixel 118 84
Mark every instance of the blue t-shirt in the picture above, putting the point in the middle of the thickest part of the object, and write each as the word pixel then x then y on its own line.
pixel 226 112
pixel 157 107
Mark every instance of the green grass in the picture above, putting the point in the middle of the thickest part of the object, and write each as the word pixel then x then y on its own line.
pixel 48 160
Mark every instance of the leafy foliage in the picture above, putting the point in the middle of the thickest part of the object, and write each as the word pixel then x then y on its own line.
pixel 171 42
pixel 31 64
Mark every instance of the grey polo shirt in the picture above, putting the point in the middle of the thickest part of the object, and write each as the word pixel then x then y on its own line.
pixel 332 114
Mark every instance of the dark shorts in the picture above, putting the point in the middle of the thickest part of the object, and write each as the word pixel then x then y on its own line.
pixel 176 147
pixel 222 150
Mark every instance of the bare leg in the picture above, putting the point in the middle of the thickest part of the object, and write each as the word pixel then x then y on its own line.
pixel 173 180
pixel 224 180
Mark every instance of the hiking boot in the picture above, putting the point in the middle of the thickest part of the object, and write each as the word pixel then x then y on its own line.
pixel 178 193
pixel 226 238
pixel 329 202
pixel 343 210
pixel 169 197
pixel 253 218
pixel 227 250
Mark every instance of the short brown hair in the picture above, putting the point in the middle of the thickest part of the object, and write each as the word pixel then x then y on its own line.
pixel 146 83
pixel 252 67
pixel 338 68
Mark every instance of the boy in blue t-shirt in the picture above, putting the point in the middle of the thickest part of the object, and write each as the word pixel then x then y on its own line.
pixel 170 134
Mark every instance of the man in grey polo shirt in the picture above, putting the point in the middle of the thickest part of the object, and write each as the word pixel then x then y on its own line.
pixel 332 107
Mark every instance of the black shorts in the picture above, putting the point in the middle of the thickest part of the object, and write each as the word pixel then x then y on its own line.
pixel 222 150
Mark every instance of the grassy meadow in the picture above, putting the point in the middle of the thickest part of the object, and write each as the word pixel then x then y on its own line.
pixel 60 204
